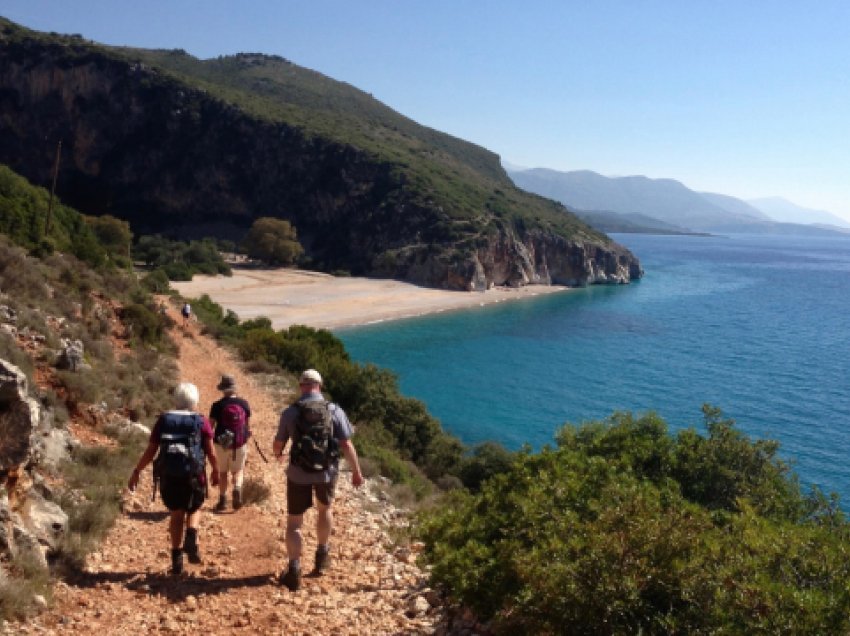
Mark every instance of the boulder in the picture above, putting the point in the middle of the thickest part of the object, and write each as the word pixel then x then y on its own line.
pixel 19 416
pixel 46 521
pixel 71 355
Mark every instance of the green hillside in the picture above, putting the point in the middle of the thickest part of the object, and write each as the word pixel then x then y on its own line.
pixel 462 177
pixel 194 148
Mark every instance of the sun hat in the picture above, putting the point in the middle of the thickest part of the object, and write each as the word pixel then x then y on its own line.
pixel 227 383
pixel 310 376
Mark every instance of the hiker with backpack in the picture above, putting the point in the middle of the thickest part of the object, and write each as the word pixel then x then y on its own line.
pixel 319 431
pixel 181 442
pixel 186 312
pixel 230 416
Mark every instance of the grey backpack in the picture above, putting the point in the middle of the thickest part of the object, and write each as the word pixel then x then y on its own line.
pixel 314 447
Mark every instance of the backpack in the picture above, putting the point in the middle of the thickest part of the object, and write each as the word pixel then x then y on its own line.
pixel 232 427
pixel 314 447
pixel 181 452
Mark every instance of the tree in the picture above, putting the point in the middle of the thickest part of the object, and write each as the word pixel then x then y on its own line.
pixel 113 234
pixel 273 241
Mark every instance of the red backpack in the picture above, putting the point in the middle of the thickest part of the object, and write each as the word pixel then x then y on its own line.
pixel 232 430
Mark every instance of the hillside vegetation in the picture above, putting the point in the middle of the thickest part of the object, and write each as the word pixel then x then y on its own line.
pixel 199 148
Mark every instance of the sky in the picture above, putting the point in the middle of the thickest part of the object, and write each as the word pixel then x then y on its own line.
pixel 746 98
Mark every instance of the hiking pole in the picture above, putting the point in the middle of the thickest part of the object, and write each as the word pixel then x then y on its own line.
pixel 259 450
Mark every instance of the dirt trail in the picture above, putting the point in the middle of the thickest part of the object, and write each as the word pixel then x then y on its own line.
pixel 371 588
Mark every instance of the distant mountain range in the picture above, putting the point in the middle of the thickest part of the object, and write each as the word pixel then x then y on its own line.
pixel 785 211
pixel 641 204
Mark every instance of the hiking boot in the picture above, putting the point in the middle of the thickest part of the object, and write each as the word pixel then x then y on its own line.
pixel 190 546
pixel 323 561
pixel 221 506
pixel 237 499
pixel 291 579
pixel 176 562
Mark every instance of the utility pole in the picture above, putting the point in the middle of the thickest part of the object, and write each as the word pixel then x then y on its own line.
pixel 49 221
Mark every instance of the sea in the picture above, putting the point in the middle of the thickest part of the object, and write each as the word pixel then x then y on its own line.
pixel 758 326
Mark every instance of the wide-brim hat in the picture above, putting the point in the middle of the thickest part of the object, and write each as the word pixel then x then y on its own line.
pixel 227 383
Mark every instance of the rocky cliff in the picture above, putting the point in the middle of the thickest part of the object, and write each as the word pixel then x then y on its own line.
pixel 142 144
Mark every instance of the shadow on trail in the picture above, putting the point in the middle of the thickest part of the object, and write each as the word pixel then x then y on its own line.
pixel 148 515
pixel 176 589
pixel 171 587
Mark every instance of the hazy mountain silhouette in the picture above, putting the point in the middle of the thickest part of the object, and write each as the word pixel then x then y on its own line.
pixel 785 211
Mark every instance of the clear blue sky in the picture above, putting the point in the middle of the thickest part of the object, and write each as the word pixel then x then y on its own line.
pixel 749 98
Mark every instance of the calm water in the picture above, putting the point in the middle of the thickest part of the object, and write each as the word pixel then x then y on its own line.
pixel 759 326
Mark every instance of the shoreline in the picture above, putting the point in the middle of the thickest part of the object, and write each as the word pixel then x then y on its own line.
pixel 300 297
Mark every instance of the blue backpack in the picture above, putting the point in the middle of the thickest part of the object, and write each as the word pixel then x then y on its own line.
pixel 181 452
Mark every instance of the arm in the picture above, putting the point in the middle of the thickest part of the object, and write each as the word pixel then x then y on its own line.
pixel 350 453
pixel 282 436
pixel 144 460
pixel 209 451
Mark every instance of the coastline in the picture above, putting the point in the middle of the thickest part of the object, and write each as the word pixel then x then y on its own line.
pixel 300 297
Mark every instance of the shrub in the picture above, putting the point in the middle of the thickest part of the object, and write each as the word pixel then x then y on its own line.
pixel 255 491
pixel 600 536
pixel 146 325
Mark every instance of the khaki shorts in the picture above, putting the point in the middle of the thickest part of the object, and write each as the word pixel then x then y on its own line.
pixel 299 497
pixel 231 460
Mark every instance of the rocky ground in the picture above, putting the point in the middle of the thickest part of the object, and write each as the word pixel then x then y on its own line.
pixel 373 587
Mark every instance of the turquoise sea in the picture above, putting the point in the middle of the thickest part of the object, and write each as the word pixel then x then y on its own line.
pixel 757 325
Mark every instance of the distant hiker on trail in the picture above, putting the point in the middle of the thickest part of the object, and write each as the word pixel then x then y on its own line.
pixel 230 415
pixel 186 312
pixel 319 430
pixel 184 441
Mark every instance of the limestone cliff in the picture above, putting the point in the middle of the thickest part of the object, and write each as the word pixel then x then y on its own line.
pixel 144 144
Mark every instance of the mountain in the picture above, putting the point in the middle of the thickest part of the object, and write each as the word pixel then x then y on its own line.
pixel 628 201
pixel 785 211
pixel 192 148
pixel 628 223
pixel 664 199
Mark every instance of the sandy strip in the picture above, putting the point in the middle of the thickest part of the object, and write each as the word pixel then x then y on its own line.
pixel 297 297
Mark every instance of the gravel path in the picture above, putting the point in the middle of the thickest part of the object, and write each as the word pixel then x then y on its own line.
pixel 372 587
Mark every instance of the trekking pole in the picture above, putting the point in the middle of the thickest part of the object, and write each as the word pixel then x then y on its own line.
pixel 259 450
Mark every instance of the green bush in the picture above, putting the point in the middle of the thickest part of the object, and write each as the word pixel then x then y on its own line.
pixel 146 325
pixel 601 536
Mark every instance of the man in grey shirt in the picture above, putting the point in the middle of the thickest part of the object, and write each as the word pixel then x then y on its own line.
pixel 301 483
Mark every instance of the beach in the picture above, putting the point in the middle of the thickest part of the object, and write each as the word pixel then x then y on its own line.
pixel 299 297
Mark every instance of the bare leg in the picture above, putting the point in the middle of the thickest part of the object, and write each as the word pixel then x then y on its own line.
pixel 293 536
pixel 222 484
pixel 324 523
pixel 175 528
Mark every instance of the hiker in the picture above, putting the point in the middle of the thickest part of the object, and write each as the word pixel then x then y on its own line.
pixel 230 415
pixel 319 430
pixel 186 312
pixel 183 438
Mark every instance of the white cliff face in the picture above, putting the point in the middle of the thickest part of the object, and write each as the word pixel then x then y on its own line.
pixel 29 524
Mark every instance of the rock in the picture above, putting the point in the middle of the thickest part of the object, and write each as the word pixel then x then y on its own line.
pixel 71 355
pixel 125 426
pixel 27 545
pixel 417 605
pixel 19 415
pixel 52 447
pixel 47 521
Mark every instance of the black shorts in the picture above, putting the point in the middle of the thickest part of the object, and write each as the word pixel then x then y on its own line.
pixel 299 497
pixel 182 495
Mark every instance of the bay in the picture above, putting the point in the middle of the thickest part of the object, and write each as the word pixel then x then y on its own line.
pixel 756 325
